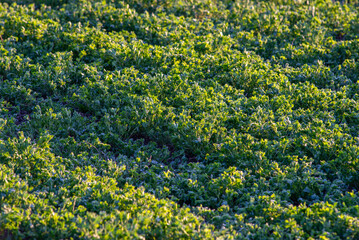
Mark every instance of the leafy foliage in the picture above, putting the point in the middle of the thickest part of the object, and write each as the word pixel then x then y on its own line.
pixel 179 119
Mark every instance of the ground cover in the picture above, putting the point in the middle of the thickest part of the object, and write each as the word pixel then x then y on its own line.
pixel 179 119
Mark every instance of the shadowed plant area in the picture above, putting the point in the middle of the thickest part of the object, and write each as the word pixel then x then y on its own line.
pixel 165 119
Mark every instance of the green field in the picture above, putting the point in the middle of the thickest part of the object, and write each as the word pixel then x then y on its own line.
pixel 188 119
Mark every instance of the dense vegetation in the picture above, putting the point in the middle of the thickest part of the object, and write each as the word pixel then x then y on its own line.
pixel 163 119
